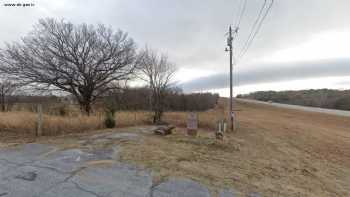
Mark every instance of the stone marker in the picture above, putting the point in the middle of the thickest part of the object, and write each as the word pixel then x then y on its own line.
pixel 164 130
pixel 192 124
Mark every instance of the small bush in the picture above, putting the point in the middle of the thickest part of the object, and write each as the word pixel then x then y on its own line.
pixel 62 110
pixel 109 119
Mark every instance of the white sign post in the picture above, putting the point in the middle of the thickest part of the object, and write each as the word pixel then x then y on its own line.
pixel 222 126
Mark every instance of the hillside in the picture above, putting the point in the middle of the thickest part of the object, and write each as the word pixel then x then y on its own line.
pixel 324 98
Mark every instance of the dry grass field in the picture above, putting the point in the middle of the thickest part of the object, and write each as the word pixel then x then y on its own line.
pixel 24 121
pixel 276 152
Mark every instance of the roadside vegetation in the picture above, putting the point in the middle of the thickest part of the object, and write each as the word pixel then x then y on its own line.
pixel 58 121
pixel 324 98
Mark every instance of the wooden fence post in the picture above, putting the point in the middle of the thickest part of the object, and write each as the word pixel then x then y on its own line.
pixel 135 118
pixel 39 131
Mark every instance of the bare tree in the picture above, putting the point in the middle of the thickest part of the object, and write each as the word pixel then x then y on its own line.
pixel 7 88
pixel 83 60
pixel 157 71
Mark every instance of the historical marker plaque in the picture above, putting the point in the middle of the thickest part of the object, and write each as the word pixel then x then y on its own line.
pixel 192 123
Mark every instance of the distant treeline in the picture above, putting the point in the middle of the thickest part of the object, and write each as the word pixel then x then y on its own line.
pixel 129 99
pixel 174 100
pixel 324 98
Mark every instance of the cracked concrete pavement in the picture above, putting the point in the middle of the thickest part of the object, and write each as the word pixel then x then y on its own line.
pixel 41 170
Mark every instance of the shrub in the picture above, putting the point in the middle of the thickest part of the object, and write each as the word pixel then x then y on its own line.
pixel 62 110
pixel 109 119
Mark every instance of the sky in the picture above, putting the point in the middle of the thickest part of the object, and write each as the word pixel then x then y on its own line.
pixel 301 44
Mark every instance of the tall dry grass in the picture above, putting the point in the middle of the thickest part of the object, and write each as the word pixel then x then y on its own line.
pixel 18 121
pixel 206 119
pixel 26 121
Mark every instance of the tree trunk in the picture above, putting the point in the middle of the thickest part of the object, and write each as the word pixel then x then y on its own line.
pixel 157 116
pixel 3 107
pixel 85 107
pixel 157 108
pixel 88 108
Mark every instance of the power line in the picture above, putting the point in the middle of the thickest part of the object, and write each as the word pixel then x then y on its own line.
pixel 257 26
pixel 257 30
pixel 237 11
pixel 254 25
pixel 241 13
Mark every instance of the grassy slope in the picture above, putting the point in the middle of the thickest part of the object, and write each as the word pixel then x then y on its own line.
pixel 276 151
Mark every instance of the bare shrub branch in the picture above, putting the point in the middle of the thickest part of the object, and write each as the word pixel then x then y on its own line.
pixel 158 72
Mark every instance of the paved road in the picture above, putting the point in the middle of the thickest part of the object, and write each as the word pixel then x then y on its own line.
pixel 39 170
pixel 302 108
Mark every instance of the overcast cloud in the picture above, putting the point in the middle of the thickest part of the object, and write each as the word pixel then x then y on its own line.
pixel 273 73
pixel 192 33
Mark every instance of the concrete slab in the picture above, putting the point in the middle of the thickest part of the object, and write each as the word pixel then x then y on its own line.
pixel 226 193
pixel 36 170
pixel 126 136
pixel 67 190
pixel 105 137
pixel 5 167
pixel 64 161
pixel 104 154
pixel 26 153
pixel 180 188
pixel 28 181
pixel 254 194
pixel 116 180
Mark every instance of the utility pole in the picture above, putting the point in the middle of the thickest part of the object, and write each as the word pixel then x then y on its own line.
pixel 229 44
